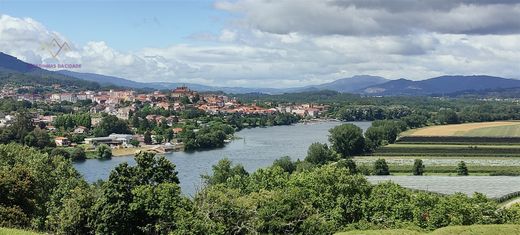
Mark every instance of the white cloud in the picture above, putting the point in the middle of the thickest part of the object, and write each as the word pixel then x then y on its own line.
pixel 377 17
pixel 252 57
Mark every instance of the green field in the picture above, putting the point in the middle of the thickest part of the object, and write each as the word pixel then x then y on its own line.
pixel 489 142
pixel 11 231
pixel 448 150
pixel 487 129
pixel 450 230
pixel 498 131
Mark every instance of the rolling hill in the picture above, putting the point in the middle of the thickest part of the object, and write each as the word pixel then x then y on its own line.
pixel 15 71
pixel 439 85
pixel 348 85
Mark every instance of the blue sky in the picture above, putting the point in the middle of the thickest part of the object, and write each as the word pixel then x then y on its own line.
pixel 125 25
pixel 268 43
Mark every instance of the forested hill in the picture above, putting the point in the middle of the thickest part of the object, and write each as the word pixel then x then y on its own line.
pixel 439 85
pixel 17 72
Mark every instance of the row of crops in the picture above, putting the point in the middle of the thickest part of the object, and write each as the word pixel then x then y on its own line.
pixel 458 140
pixel 440 151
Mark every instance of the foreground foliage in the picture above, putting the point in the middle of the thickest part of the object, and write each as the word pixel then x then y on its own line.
pixel 45 193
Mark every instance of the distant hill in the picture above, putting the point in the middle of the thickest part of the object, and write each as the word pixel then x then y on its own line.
pixel 15 71
pixel 501 93
pixel 341 85
pixel 348 85
pixel 122 82
pixel 439 85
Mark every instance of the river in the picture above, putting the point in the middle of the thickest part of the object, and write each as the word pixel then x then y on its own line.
pixel 254 148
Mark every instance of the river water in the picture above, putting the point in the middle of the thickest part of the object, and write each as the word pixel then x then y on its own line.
pixel 254 148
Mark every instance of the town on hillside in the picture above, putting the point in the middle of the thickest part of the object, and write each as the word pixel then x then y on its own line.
pixel 158 121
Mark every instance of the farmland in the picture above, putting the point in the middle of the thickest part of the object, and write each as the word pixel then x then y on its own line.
pixel 473 229
pixel 479 129
pixel 488 148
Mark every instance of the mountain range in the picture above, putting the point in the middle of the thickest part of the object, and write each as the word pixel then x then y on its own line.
pixel 361 84
pixel 442 85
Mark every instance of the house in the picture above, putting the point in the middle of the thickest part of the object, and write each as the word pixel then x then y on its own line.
pixel 80 130
pixel 163 105
pixel 62 141
pixel 313 112
pixel 124 113
pixel 112 140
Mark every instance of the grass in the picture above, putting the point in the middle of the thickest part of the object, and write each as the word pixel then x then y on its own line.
pixel 509 202
pixel 118 152
pixel 448 150
pixel 499 131
pixel 12 231
pixel 488 129
pixel 473 170
pixel 493 229
pixel 382 232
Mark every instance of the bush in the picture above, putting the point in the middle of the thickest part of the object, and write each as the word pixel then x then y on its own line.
pixel 104 152
pixel 319 154
pixel 462 169
pixel 380 167
pixel 418 167
pixel 78 154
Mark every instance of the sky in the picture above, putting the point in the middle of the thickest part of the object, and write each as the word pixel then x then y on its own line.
pixel 266 43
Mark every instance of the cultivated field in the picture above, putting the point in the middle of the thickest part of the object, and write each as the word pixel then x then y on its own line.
pixel 472 229
pixel 487 129
pixel 488 148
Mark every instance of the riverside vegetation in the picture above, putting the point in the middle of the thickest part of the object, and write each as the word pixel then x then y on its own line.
pixel 322 194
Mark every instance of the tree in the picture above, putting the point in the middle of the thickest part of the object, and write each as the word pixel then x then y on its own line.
pixel 32 187
pixel 104 152
pixel 134 143
pixel 462 169
pixel 147 138
pixel 169 135
pixel 224 171
pixel 447 116
pixel 60 152
pixel 418 167
pixel 349 164
pixel 22 125
pixel 78 154
pixel 415 120
pixel 285 163
pixel 347 140
pixel 111 124
pixel 380 167
pixel 38 138
pixel 319 154
pixel 158 139
pixel 140 199
pixel 374 137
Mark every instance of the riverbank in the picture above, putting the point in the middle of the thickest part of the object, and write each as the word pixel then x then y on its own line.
pixel 119 152
pixel 253 148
